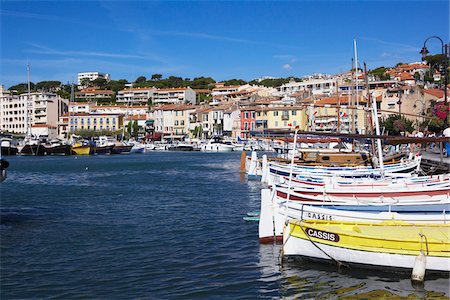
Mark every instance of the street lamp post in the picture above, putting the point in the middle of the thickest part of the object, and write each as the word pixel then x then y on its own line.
pixel 424 53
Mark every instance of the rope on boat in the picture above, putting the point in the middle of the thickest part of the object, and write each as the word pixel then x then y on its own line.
pixel 422 236
pixel 338 263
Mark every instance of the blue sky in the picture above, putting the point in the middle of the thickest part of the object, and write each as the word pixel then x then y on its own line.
pixel 221 39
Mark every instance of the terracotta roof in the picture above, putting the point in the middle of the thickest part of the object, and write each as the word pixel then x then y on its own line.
pixel 202 91
pixel 174 107
pixel 136 117
pixel 43 126
pixel 343 100
pixel 405 76
pixel 434 92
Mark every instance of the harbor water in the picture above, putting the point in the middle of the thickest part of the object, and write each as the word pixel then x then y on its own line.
pixel 161 225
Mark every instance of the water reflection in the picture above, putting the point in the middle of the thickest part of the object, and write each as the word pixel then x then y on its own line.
pixel 305 279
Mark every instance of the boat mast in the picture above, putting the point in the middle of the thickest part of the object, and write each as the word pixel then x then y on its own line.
pixel 356 71
pixel 72 100
pixel 377 130
pixel 27 118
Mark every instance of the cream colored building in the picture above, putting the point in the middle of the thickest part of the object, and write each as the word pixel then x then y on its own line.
pixel 135 95
pixel 43 108
pixel 95 122
pixel 172 119
pixel 173 96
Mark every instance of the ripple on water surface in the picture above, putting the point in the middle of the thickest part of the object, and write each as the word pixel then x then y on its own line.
pixel 158 225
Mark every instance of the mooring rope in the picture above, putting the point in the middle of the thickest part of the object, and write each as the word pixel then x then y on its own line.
pixel 338 263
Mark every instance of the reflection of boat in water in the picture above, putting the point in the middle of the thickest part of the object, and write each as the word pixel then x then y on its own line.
pixel 297 278
pixel 4 164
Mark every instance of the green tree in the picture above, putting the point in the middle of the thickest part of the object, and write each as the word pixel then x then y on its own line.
pixel 116 85
pixel 100 83
pixel 156 77
pixel 22 88
pixel 234 82
pixel 48 86
pixel 135 128
pixel 395 124
pixel 380 73
pixel 129 128
pixel 141 79
pixel 86 82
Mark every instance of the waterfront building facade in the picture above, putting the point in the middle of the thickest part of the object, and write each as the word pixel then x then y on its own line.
pixel 19 113
pixel 95 122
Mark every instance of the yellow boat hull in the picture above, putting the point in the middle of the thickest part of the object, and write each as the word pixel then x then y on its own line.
pixel 390 243
pixel 391 237
pixel 82 150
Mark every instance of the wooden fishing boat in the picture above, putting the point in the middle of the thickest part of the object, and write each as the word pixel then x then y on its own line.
pixel 275 211
pixel 361 196
pixel 383 245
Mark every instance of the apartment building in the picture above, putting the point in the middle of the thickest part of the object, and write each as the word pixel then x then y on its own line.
pixel 12 112
pixel 135 95
pixel 120 109
pixel 80 107
pixel 91 76
pixel 333 114
pixel 317 86
pixel 94 122
pixel 224 90
pixel 43 108
pixel 174 95
pixel 173 119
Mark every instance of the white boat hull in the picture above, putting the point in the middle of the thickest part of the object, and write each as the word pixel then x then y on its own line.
pixel 294 246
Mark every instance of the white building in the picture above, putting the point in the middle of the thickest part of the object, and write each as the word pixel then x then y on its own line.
pixel 174 95
pixel 43 109
pixel 135 95
pixel 92 76
pixel 324 86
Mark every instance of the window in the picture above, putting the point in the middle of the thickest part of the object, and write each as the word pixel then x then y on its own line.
pixel 275 113
pixel 182 122
pixel 246 115
pixel 253 114
pixel 176 123
pixel 245 126
pixel 294 112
